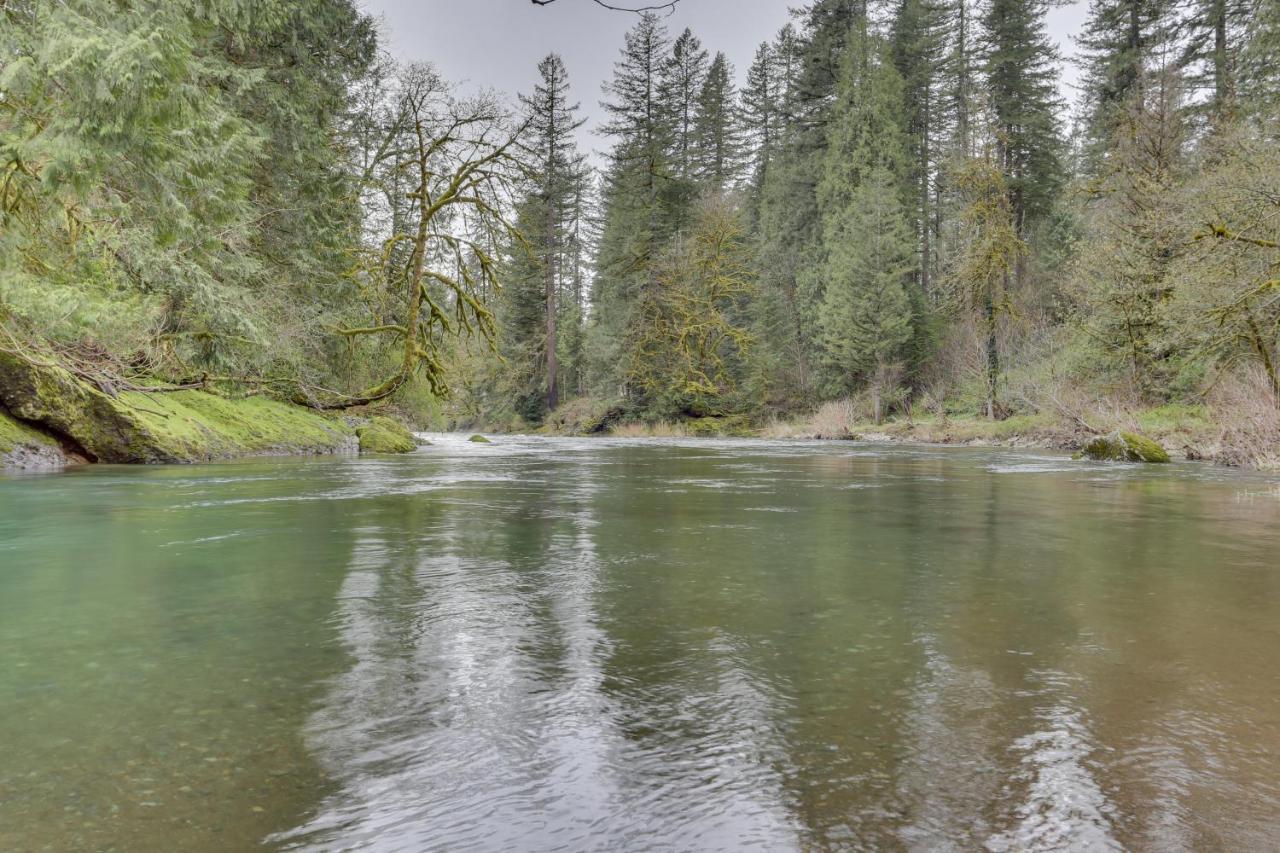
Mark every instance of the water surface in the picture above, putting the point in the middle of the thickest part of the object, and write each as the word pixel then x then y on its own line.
pixel 598 644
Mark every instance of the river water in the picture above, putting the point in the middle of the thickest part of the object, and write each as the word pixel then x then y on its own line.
pixel 547 644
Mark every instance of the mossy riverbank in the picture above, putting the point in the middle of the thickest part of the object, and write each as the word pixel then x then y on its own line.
pixel 50 418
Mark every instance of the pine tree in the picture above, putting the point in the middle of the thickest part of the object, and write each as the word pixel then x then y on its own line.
pixel 718 149
pixel 1259 74
pixel 863 310
pixel 761 114
pixel 684 76
pixel 1121 41
pixel 636 198
pixel 769 101
pixel 1134 235
pixel 790 248
pixel 1019 67
pixel 1213 33
pixel 560 169
pixel 635 108
pixel 174 170
pixel 918 52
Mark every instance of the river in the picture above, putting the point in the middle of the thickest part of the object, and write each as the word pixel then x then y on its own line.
pixel 556 644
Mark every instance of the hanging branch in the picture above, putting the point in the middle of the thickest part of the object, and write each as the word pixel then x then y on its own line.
pixel 658 7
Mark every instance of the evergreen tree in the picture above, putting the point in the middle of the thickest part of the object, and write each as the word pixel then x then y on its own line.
pixel 1213 34
pixel 769 100
pixel 1133 236
pixel 171 170
pixel 636 198
pixel 919 53
pixel 791 250
pixel 684 77
pixel 560 171
pixel 761 112
pixel 866 312
pixel 1020 74
pixel 718 150
pixel 863 310
pixel 1121 41
pixel 1259 74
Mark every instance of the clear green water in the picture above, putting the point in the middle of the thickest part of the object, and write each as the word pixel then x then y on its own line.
pixel 573 645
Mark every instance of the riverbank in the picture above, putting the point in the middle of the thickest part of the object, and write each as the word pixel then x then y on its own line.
pixel 1230 436
pixel 50 419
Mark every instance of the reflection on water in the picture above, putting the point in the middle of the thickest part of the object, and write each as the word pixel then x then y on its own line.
pixel 567 645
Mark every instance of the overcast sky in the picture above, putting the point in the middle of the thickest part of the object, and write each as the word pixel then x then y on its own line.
pixel 497 43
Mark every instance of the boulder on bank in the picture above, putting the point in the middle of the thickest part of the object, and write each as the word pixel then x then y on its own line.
pixel 1125 447
pixel 381 434
pixel 180 426
pixel 25 449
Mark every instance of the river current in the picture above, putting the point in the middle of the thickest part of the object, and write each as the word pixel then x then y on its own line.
pixel 557 644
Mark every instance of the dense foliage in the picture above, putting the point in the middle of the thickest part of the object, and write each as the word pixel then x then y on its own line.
pixel 894 208
pixel 922 225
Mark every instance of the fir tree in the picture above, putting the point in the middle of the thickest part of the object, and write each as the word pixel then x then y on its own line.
pixel 637 194
pixel 684 77
pixel 918 53
pixel 862 306
pixel 1121 41
pixel 1020 74
pixel 560 169
pixel 718 152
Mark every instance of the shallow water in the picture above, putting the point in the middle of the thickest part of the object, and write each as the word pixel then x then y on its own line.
pixel 598 644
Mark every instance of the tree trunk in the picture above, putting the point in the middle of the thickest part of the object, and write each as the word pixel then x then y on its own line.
pixel 993 357
pixel 1221 74
pixel 549 260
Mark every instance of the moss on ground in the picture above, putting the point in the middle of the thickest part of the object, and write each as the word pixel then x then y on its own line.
pixel 13 433
pixel 182 426
pixel 195 426
pixel 384 435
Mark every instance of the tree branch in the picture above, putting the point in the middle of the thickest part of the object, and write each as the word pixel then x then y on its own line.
pixel 668 7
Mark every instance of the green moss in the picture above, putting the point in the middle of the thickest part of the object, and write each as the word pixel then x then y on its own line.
pixel 1125 447
pixel 193 426
pixel 1144 449
pixel 14 433
pixel 184 426
pixel 479 439
pixel 385 435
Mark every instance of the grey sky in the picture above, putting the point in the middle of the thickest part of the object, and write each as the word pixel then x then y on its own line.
pixel 497 43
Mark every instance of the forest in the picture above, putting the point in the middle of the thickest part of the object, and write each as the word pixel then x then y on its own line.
pixel 891 218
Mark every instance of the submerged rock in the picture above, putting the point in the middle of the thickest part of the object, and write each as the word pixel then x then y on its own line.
pixel 1125 447
pixel 385 435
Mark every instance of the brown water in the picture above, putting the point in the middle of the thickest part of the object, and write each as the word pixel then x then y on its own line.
pixel 574 645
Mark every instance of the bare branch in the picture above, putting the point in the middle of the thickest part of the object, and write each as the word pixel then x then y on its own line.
pixel 668 7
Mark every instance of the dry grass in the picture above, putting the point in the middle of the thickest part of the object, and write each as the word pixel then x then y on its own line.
pixel 661 429
pixel 1245 409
